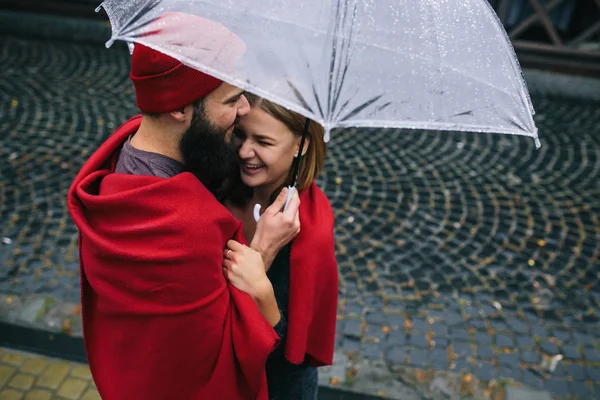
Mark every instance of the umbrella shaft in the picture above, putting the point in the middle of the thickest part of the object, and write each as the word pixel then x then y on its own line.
pixel 299 158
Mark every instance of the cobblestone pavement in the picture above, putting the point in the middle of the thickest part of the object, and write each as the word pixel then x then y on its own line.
pixel 29 376
pixel 457 252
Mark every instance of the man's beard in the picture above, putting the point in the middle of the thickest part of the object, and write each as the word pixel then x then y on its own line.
pixel 205 152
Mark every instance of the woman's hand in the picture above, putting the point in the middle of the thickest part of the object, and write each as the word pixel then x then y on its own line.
pixel 244 269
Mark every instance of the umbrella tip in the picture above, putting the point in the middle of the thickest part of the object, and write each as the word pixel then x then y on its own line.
pixel 327 135
pixel 538 144
pixel 109 42
pixel 99 7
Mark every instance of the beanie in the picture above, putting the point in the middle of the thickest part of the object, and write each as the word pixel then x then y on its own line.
pixel 163 84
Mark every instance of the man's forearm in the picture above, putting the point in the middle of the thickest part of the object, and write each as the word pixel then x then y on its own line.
pixel 267 254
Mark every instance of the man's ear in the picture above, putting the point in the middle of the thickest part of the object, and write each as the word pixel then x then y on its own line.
pixel 183 113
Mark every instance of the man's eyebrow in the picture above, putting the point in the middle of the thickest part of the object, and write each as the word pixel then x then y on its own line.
pixel 234 96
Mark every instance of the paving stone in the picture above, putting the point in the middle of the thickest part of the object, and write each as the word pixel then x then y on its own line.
pixel 485 371
pixel 460 334
pixel 72 388
pixel 504 341
pixel 417 357
pixel 516 326
pixel 510 359
pixel 570 352
pixel 593 373
pixel 525 341
pixel 396 355
pixel 530 357
pixel 549 348
pixel 396 338
pixel 91 395
pixel 579 389
pixel 517 393
pixel 463 349
pixel 38 394
pixel 372 350
pixel 353 328
pixel 461 365
pixel 34 366
pixel 53 375
pixel 583 338
pixel 418 340
pixel 22 381
pixel 10 394
pixel 485 352
pixel 532 379
pixel 13 359
pixel 375 331
pixel 576 371
pixel 513 373
pixel 377 318
pixel 591 354
pixel 539 331
pixel 440 330
pixel 558 387
pixel 5 373
pixel 438 358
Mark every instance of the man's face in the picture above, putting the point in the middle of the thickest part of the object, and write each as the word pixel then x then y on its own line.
pixel 206 145
pixel 205 151
pixel 224 106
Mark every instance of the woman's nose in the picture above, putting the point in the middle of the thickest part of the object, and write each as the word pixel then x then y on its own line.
pixel 246 151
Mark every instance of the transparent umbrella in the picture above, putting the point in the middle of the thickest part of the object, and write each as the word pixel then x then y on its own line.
pixel 426 64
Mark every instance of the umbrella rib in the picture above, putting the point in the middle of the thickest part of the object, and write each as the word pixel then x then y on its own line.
pixel 126 27
pixel 431 125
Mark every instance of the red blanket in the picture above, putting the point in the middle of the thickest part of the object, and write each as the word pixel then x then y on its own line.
pixel 313 283
pixel 160 321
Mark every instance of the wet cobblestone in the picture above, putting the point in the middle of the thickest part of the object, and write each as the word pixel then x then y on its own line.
pixel 457 252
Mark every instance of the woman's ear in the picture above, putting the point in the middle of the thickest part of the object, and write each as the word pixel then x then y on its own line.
pixel 306 144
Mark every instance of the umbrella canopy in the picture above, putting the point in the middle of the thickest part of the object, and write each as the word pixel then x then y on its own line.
pixel 429 64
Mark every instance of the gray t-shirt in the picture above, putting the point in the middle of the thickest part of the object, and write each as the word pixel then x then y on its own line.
pixel 139 162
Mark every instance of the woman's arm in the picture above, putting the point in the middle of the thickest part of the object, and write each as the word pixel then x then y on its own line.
pixel 244 269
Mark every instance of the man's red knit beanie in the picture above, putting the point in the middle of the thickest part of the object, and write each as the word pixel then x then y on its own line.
pixel 164 84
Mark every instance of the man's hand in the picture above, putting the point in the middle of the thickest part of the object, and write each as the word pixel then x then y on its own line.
pixel 276 227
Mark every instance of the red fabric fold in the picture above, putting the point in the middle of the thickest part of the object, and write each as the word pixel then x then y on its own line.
pixel 159 319
pixel 313 283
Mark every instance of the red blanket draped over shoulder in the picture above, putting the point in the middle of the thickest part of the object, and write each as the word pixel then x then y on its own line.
pixel 313 283
pixel 159 319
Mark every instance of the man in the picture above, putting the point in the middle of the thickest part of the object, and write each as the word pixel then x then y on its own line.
pixel 159 319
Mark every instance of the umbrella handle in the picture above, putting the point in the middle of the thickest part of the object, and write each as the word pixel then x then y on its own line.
pixel 290 194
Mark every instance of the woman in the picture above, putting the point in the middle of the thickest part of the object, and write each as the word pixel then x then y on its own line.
pixel 304 273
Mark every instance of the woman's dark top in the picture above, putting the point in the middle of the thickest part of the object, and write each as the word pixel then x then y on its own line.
pixel 287 381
